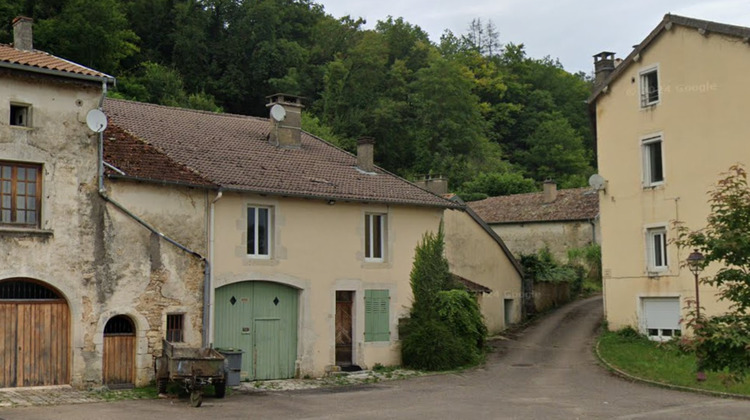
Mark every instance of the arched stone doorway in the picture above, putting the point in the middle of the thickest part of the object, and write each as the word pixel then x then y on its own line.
pixel 118 368
pixel 34 334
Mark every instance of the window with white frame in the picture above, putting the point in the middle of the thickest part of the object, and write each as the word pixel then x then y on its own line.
pixel 653 162
pixel 259 231
pixel 374 237
pixel 656 244
pixel 661 317
pixel 649 87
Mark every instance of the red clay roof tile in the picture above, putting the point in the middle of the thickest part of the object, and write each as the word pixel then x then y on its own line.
pixel 570 204
pixel 43 60
pixel 233 152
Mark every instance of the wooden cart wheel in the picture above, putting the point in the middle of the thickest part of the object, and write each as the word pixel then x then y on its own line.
pixel 220 389
pixel 196 398
pixel 161 385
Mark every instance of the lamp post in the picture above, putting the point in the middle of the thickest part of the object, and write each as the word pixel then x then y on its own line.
pixel 695 262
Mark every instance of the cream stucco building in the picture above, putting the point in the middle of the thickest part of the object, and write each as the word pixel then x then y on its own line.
pixel 309 247
pixel 670 118
pixel 203 229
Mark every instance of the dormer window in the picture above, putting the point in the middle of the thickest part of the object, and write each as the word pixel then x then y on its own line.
pixel 20 115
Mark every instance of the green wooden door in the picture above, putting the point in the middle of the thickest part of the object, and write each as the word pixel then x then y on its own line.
pixel 267 351
pixel 259 318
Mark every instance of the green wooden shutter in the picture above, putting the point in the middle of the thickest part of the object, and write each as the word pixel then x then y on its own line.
pixel 377 305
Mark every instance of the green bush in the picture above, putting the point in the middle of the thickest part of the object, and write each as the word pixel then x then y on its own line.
pixel 432 345
pixel 543 267
pixel 460 311
pixel 446 329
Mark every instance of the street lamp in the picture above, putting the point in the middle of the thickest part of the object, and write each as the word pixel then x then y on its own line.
pixel 695 263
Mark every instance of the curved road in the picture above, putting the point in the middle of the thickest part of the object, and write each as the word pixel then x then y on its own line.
pixel 548 372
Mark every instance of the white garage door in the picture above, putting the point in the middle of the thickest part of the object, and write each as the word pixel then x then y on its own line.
pixel 661 318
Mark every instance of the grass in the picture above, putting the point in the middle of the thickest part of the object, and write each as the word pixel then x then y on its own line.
pixel 660 362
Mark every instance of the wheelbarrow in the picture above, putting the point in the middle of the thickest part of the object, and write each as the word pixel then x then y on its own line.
pixel 194 368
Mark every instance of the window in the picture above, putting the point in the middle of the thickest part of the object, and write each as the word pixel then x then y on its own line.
pixel 653 165
pixel 374 234
pixel 377 304
pixel 20 115
pixel 20 194
pixel 661 318
pixel 258 231
pixel 656 243
pixel 175 328
pixel 649 88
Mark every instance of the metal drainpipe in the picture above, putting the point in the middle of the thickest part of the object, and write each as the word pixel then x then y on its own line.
pixel 208 288
pixel 592 222
pixel 103 194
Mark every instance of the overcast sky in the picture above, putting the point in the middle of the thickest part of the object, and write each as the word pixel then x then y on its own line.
pixel 571 30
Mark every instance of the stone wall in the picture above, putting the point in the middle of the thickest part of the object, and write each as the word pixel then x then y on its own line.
pixel 528 238
pixel 102 262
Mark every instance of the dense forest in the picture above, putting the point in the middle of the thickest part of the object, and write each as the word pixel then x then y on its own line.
pixel 470 107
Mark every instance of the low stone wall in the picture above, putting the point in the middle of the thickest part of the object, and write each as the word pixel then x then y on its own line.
pixel 550 295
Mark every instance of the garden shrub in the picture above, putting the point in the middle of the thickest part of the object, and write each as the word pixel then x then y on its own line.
pixel 446 329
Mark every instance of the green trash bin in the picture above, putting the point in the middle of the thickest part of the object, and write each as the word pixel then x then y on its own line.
pixel 232 365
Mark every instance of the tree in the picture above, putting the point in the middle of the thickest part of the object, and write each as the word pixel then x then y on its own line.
pixel 94 33
pixel 555 151
pixel 494 184
pixel 446 329
pixel 721 342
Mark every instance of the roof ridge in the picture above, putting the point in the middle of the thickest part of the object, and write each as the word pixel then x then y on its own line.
pixel 191 110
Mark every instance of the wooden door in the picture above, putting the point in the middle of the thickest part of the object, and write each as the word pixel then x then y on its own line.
pixel 118 369
pixel 243 314
pixel 34 343
pixel 344 333
pixel 267 349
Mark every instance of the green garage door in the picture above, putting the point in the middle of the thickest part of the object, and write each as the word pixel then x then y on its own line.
pixel 259 318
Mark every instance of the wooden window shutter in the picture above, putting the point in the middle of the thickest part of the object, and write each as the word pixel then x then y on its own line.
pixel 377 310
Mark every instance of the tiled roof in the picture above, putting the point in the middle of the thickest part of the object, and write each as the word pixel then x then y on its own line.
pixel 706 26
pixel 570 204
pixel 470 285
pixel 42 60
pixel 134 156
pixel 232 152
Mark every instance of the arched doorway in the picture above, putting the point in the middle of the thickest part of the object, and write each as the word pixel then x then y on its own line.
pixel 118 370
pixel 259 318
pixel 34 334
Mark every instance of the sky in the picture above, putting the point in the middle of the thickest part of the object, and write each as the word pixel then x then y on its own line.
pixel 569 30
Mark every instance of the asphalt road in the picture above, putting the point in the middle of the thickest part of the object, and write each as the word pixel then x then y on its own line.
pixel 547 372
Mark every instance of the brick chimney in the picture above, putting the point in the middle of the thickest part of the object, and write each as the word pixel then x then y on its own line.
pixel 23 38
pixel 286 132
pixel 550 191
pixel 365 154
pixel 604 64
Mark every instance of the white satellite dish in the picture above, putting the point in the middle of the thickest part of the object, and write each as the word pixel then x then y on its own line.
pixel 278 113
pixel 96 120
pixel 597 182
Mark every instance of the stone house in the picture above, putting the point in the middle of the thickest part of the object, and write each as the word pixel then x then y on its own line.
pixel 85 292
pixel 556 219
pixel 669 118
